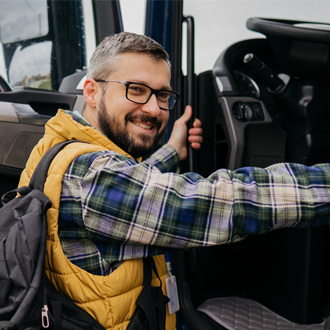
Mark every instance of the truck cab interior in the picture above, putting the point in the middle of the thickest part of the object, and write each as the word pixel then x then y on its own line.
pixel 268 102
pixel 264 101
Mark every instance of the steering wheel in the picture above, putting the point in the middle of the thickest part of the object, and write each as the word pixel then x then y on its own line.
pixel 301 30
pixel 4 86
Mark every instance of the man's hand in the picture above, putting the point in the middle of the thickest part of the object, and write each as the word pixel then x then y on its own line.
pixel 178 138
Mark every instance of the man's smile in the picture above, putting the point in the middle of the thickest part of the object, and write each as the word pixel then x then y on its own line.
pixel 146 123
pixel 143 125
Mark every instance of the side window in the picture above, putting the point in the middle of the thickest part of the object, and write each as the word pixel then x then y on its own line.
pixel 27 63
pixel 31 66
pixel 43 41
pixel 23 20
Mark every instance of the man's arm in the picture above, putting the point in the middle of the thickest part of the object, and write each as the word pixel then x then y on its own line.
pixel 136 203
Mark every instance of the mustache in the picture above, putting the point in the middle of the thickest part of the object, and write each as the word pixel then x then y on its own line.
pixel 144 119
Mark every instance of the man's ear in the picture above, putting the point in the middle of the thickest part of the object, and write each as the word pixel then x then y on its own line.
pixel 91 90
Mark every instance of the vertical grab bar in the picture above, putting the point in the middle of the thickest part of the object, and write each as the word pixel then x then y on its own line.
pixel 191 83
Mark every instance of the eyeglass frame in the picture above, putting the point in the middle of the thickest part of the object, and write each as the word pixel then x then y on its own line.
pixel 153 91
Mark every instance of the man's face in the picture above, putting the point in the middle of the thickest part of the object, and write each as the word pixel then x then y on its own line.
pixel 136 128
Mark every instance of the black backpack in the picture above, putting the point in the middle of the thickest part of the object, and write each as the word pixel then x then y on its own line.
pixel 27 299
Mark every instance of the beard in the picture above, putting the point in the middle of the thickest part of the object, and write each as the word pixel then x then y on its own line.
pixel 136 146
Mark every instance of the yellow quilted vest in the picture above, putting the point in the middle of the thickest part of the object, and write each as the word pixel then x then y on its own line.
pixel 109 299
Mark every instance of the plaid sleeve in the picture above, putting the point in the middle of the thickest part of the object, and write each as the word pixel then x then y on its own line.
pixel 138 205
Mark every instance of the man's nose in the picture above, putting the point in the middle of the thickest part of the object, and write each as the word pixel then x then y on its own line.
pixel 151 107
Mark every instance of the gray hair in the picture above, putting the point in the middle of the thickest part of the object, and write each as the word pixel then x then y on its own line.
pixel 104 59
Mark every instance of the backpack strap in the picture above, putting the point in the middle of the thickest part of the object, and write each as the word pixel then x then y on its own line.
pixel 64 310
pixel 158 298
pixel 7 325
pixel 150 312
pixel 9 195
pixel 40 173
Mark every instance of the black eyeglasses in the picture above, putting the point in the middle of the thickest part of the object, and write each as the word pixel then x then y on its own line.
pixel 141 94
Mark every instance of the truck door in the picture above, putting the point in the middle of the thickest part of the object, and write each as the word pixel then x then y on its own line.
pixel 246 124
pixel 45 47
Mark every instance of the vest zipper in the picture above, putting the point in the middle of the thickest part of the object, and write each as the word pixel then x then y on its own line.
pixel 45 317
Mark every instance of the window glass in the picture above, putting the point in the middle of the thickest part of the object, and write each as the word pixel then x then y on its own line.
pixel 220 23
pixel 31 66
pixel 133 15
pixel 42 42
pixel 22 20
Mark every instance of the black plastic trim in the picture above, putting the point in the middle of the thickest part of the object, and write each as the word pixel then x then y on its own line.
pixel 107 17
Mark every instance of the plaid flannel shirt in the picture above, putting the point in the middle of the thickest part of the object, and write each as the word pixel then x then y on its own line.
pixel 113 208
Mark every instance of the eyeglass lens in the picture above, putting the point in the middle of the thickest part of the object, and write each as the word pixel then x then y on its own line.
pixel 141 94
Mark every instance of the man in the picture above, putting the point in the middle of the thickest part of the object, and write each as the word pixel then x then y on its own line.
pixel 111 210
